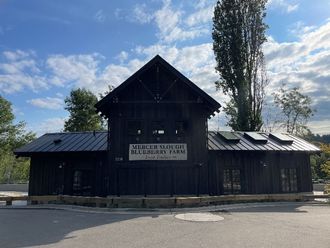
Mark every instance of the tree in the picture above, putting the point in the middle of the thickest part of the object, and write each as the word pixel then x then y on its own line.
pixel 106 92
pixel 311 137
pixel 83 116
pixel 238 35
pixel 12 136
pixel 296 109
pixel 320 164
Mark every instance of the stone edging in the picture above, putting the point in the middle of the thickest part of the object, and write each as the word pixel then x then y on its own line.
pixel 159 202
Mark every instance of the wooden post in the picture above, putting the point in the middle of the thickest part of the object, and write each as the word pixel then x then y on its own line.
pixel 144 181
pixel 118 183
pixel 172 181
pixel 198 177
pixel 208 178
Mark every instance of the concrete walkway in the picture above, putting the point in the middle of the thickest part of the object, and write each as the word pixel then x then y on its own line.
pixel 285 225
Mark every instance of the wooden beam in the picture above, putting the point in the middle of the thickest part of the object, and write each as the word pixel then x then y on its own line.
pixel 146 88
pixel 153 102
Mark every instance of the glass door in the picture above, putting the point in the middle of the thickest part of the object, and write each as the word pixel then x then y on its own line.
pixel 232 181
pixel 289 180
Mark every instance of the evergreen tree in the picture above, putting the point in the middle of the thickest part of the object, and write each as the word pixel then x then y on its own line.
pixel 83 116
pixel 238 35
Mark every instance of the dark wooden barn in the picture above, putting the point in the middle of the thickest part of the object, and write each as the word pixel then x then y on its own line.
pixel 158 143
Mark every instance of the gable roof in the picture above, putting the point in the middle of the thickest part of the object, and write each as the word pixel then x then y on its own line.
pixel 214 105
pixel 97 142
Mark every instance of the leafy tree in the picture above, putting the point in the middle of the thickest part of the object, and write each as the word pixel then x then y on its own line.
pixel 238 35
pixel 6 119
pixel 83 116
pixel 296 110
pixel 12 136
pixel 321 163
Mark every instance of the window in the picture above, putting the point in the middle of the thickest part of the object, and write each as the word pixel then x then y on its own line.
pixel 134 128
pixel 289 180
pixel 77 178
pixel 82 182
pixel 232 181
pixel 158 128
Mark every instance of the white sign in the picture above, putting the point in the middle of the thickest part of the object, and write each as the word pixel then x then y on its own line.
pixel 157 152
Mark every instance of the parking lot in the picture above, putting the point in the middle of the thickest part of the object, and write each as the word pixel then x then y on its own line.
pixel 259 225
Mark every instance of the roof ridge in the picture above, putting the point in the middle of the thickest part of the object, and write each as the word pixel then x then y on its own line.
pixel 78 132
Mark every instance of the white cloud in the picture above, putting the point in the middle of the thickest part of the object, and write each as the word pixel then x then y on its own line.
pixel 60 95
pixel 170 53
pixel 17 111
pixel 169 23
pixel 299 28
pixel 203 3
pixel 84 71
pixel 20 70
pixel 203 15
pixel 172 24
pixel 16 55
pixel 304 64
pixel 100 16
pixel 122 56
pixel 320 126
pixel 141 14
pixel 74 70
pixel 50 125
pixel 47 103
pixel 118 13
pixel 285 5
pixel 116 74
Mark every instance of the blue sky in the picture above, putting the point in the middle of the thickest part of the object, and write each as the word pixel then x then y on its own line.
pixel 49 47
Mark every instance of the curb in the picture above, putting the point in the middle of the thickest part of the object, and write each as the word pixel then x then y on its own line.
pixel 139 211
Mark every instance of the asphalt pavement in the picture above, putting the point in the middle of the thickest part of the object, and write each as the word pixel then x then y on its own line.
pixel 243 225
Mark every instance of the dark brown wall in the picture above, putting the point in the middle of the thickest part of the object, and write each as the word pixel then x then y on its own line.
pixel 146 178
pixel 53 174
pixel 177 103
pixel 260 171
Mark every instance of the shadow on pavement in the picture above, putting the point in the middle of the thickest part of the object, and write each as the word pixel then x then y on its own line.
pixel 34 227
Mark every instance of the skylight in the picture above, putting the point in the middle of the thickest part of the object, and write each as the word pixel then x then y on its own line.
pixel 282 138
pixel 228 136
pixel 256 137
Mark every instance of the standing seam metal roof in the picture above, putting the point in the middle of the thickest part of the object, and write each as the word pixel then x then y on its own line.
pixel 298 145
pixel 67 142
pixel 97 141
